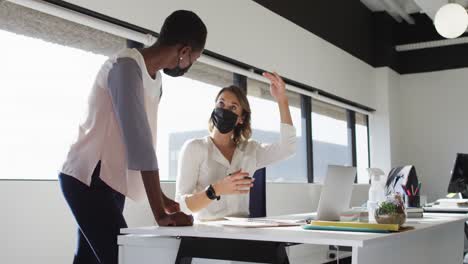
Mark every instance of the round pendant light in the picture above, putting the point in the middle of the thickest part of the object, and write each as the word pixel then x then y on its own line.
pixel 451 21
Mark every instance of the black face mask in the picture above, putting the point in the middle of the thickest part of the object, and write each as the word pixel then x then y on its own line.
pixel 224 120
pixel 177 71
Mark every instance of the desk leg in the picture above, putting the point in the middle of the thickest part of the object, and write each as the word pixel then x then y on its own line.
pixel 441 244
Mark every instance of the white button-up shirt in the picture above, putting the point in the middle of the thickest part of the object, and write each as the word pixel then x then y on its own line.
pixel 201 163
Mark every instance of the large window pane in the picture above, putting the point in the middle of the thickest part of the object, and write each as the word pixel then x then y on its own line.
pixel 265 126
pixel 184 111
pixel 362 148
pixel 331 138
pixel 44 94
pixel 48 68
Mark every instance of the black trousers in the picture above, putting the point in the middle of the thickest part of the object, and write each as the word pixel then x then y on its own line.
pixel 98 212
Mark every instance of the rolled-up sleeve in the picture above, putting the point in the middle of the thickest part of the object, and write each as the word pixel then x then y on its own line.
pixel 126 89
pixel 187 174
pixel 285 148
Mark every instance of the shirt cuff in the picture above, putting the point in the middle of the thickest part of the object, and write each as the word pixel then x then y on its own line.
pixel 183 205
pixel 287 130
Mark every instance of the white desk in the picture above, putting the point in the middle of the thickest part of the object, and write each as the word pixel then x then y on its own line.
pixel 438 238
pixel 444 209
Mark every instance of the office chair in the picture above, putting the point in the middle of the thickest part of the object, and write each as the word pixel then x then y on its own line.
pixel 257 203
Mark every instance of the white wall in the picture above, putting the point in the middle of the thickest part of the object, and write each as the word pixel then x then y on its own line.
pixel 421 121
pixel 432 125
pixel 36 224
pixel 386 80
pixel 248 32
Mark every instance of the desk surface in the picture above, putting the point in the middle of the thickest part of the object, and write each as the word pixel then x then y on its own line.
pixel 443 209
pixel 295 234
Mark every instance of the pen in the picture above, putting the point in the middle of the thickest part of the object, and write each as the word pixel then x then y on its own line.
pixel 417 188
pixel 406 190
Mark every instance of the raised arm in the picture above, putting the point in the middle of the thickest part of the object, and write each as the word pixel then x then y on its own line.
pixel 278 91
pixel 286 147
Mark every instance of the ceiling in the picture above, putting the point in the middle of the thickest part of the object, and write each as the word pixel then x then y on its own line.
pixel 400 10
pixel 371 30
pixel 408 6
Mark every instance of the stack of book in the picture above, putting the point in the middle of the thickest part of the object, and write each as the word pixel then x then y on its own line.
pixel 352 226
pixel 414 212
pixel 357 214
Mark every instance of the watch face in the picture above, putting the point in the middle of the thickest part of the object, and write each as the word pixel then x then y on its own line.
pixel 210 193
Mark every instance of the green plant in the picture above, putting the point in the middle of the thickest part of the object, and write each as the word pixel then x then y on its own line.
pixel 393 205
pixel 387 208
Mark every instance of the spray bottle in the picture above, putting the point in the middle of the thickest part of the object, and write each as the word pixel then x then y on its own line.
pixel 376 190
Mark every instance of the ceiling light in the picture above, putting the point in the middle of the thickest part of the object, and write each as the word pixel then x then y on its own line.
pixel 451 21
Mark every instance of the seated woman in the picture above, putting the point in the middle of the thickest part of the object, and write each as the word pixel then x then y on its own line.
pixel 213 179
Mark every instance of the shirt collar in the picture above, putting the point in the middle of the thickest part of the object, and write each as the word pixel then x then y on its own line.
pixel 219 157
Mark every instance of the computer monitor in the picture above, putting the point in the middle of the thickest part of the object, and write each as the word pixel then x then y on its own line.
pixel 459 180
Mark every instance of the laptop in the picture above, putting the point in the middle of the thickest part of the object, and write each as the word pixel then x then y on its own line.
pixel 335 197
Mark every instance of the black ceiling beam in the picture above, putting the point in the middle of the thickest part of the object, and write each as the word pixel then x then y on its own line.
pixel 371 37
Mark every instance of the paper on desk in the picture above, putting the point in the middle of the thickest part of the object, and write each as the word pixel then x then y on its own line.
pixel 451 203
pixel 255 222
pixel 267 220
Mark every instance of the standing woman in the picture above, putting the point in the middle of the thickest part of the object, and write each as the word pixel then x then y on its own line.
pixel 114 155
pixel 213 178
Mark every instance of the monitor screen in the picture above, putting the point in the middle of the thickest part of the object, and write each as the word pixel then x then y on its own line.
pixel 459 180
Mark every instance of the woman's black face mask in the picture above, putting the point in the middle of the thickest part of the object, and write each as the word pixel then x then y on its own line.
pixel 224 120
pixel 177 70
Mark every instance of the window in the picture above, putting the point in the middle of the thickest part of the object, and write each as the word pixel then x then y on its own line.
pixel 45 83
pixel 265 127
pixel 184 111
pixel 48 68
pixel 331 138
pixel 362 148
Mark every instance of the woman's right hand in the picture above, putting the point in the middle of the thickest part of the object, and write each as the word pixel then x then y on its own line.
pixel 175 219
pixel 236 183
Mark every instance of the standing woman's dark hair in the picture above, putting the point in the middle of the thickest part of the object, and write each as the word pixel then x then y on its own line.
pixel 183 27
pixel 242 132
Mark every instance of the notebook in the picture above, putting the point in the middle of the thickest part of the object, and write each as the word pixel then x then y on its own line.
pixel 355 225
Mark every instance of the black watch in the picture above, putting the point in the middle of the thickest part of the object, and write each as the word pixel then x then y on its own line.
pixel 211 194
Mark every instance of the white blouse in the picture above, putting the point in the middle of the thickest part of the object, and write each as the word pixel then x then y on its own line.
pixel 201 163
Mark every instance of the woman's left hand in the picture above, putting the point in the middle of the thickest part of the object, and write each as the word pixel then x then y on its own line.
pixel 277 86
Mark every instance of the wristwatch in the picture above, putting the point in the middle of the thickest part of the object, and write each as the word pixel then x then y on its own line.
pixel 211 194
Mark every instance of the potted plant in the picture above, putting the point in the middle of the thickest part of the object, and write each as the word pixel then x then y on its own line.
pixel 391 211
